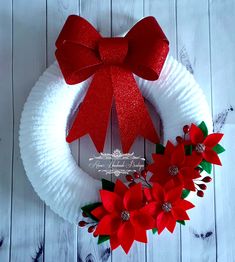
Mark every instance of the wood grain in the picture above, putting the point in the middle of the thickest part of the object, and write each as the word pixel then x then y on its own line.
pixel 6 127
pixel 29 61
pixel 223 97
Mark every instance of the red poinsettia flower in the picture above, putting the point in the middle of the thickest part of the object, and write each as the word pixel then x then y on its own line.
pixel 204 145
pixel 169 206
pixel 123 216
pixel 174 166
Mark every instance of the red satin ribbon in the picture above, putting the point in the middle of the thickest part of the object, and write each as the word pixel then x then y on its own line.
pixel 82 52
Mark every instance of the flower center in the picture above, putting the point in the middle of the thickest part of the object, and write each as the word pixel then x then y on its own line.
pixel 173 170
pixel 200 148
pixel 166 207
pixel 125 215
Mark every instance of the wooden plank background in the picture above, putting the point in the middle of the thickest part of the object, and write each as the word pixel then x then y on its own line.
pixel 202 37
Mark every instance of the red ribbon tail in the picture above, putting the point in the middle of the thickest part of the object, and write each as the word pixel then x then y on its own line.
pixel 93 115
pixel 133 117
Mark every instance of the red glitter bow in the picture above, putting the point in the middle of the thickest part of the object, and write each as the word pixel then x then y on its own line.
pixel 82 52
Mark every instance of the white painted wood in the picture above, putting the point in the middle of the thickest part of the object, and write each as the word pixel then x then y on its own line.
pixel 194 53
pixel 100 16
pixel 222 19
pixel 29 61
pixel 164 247
pixel 60 235
pixel 35 28
pixel 6 127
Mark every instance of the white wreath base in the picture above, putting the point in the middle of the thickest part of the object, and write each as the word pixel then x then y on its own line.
pixel 46 155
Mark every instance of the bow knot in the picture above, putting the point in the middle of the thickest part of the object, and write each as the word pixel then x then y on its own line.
pixel 113 51
pixel 83 52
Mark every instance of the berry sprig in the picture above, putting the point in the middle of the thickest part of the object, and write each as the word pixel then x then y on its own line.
pixel 142 176
pixel 183 139
pixel 91 225
pixel 202 186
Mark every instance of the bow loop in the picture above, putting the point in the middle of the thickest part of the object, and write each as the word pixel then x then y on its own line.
pixel 77 29
pixel 148 48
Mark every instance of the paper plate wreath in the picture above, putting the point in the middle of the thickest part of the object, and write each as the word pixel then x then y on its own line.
pixel 121 70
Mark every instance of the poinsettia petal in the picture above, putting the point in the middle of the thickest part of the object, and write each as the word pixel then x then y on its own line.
pixel 99 212
pixel 111 201
pixel 173 195
pixel 178 155
pixel 189 185
pixel 114 242
pixel 108 225
pixel 179 214
pixel 160 178
pixel 196 134
pixel 158 193
pixel 120 188
pixel 162 221
pixel 169 149
pixel 211 156
pixel 133 198
pixel 126 236
pixel 171 223
pixel 142 219
pixel 148 194
pixel 187 172
pixel 151 209
pixel 140 235
pixel 184 204
pixel 152 168
pixel 212 140
pixel 193 160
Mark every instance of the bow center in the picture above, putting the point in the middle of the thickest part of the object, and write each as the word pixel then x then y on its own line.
pixel 113 51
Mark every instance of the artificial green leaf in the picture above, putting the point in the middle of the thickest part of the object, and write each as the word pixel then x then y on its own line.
pixel 182 222
pixel 206 166
pixel 204 129
pixel 188 150
pixel 154 230
pixel 160 149
pixel 107 185
pixel 88 208
pixel 218 149
pixel 185 193
pixel 102 239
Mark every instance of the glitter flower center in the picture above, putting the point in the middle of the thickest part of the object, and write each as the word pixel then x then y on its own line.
pixel 125 215
pixel 166 207
pixel 200 148
pixel 173 170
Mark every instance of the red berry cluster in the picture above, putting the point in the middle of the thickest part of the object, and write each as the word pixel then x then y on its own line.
pixel 137 177
pixel 202 186
pixel 91 225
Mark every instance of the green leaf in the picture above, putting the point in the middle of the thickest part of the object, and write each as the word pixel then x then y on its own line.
pixel 188 150
pixel 154 230
pixel 185 193
pixel 206 166
pixel 204 129
pixel 102 239
pixel 160 149
pixel 182 222
pixel 218 149
pixel 107 185
pixel 88 208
